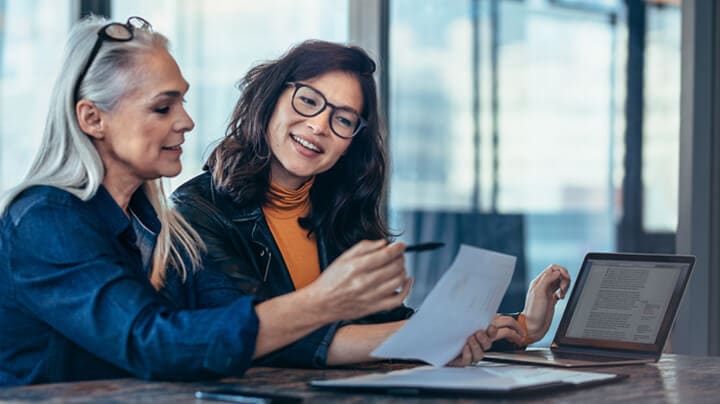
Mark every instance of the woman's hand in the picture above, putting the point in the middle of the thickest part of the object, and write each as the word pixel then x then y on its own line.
pixel 475 347
pixel 367 278
pixel 545 290
pixel 502 327
pixel 508 329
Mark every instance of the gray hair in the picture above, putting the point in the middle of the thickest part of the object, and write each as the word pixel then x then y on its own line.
pixel 67 158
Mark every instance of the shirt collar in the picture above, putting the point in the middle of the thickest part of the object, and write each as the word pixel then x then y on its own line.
pixel 114 216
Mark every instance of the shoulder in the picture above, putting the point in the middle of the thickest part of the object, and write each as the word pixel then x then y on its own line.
pixel 52 223
pixel 195 201
pixel 195 193
pixel 199 197
pixel 41 198
pixel 196 187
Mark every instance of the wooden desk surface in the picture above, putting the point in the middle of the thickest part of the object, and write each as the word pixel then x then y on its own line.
pixel 675 379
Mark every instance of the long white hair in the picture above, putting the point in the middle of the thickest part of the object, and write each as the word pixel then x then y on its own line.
pixel 67 158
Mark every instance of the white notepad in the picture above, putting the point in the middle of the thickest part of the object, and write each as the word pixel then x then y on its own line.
pixel 481 379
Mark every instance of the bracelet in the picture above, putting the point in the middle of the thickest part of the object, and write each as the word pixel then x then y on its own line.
pixel 523 323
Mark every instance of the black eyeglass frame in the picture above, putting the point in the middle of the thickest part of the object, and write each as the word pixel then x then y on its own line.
pixel 333 107
pixel 105 33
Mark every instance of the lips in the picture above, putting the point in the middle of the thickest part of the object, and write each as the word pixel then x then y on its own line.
pixel 307 144
pixel 175 147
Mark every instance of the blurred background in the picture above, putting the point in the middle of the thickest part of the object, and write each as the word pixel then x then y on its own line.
pixel 540 128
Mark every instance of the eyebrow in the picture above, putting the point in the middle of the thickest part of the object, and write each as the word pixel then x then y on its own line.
pixel 346 107
pixel 172 93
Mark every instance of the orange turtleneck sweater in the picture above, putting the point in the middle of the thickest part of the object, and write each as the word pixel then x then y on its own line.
pixel 282 211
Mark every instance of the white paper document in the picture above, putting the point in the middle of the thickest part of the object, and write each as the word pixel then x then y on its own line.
pixel 465 300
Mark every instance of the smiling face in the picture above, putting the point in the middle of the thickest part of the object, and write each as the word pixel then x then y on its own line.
pixel 141 138
pixel 306 146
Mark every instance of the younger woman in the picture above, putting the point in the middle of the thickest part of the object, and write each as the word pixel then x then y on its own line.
pixel 298 180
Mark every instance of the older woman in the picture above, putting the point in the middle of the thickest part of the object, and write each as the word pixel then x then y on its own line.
pixel 86 238
pixel 298 180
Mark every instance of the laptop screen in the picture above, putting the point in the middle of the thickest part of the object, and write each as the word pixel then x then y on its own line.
pixel 624 301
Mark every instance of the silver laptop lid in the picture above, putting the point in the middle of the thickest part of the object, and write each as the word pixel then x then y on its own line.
pixel 624 302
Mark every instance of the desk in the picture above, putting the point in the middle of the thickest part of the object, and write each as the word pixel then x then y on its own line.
pixel 675 379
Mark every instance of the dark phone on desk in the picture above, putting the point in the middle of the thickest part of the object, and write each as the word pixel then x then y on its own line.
pixel 248 397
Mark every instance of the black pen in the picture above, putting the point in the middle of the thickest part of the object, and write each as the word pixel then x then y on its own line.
pixel 424 246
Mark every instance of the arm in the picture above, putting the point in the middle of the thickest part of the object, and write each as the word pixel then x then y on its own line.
pixel 353 343
pixel 229 272
pixel 69 274
pixel 212 288
pixel 545 290
pixel 363 280
pixel 522 329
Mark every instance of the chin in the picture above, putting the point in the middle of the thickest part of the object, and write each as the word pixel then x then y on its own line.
pixel 301 170
pixel 171 172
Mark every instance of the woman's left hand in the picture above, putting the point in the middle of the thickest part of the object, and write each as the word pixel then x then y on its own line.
pixel 545 290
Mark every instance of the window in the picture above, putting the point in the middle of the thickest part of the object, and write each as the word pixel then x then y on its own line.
pixel 507 129
pixel 662 119
pixel 29 63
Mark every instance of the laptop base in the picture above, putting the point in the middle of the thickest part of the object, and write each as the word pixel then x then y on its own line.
pixel 547 357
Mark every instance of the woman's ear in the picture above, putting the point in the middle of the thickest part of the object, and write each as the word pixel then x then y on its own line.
pixel 90 119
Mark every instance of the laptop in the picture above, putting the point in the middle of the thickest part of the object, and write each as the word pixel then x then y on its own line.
pixel 620 312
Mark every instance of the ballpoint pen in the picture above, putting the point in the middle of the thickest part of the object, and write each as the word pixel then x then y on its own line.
pixel 424 246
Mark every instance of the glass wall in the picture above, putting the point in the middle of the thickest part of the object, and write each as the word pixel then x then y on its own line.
pixel 216 42
pixel 29 62
pixel 507 129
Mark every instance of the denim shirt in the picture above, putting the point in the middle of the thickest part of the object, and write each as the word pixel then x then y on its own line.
pixel 77 303
pixel 145 240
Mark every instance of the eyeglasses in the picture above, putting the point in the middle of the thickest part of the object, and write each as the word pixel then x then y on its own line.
pixel 344 121
pixel 114 31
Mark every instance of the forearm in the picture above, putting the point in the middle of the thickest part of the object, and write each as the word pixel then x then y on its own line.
pixel 287 318
pixel 353 343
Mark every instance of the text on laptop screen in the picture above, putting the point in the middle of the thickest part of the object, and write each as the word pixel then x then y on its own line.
pixel 624 300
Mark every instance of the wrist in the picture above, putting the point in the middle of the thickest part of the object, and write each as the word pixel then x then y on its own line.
pixel 315 304
pixel 527 339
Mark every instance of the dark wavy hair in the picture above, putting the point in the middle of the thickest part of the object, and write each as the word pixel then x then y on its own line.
pixel 346 199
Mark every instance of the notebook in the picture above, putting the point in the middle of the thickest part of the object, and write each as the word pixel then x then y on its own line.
pixel 620 311
pixel 486 378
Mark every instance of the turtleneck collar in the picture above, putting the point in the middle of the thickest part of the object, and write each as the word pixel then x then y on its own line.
pixel 281 198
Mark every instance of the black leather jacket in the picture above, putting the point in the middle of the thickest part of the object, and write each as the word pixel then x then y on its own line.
pixel 243 258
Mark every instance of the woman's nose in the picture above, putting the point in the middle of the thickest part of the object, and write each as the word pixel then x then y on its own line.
pixel 185 123
pixel 320 123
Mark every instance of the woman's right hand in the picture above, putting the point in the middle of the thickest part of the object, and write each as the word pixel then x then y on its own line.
pixel 475 347
pixel 502 327
pixel 367 278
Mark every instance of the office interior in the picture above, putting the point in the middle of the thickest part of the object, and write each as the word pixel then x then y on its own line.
pixel 540 128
